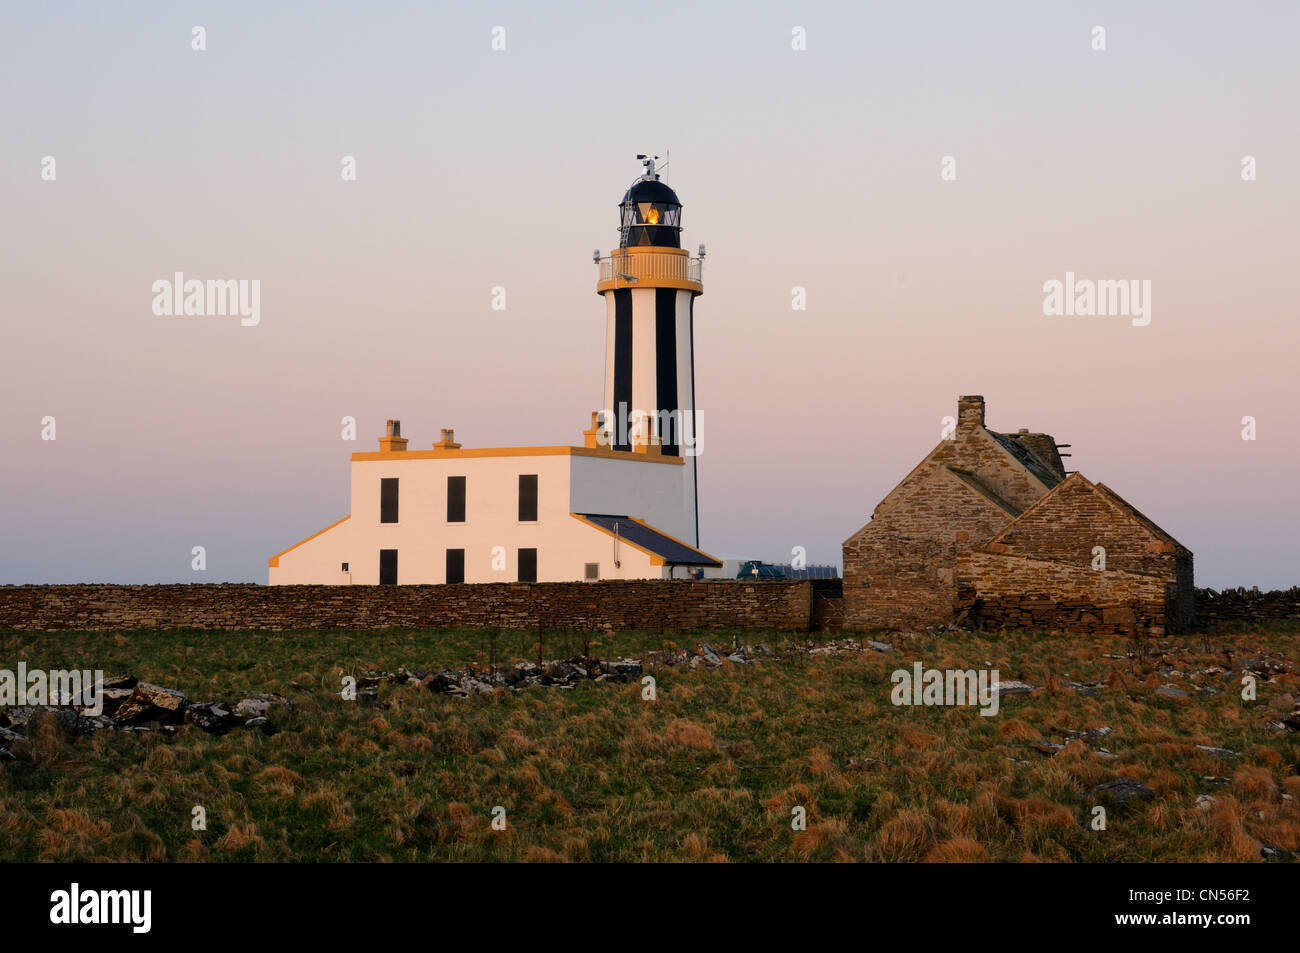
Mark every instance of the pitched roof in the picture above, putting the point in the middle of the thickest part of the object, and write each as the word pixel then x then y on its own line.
pixel 1141 517
pixel 1027 458
pixel 1113 498
pixel 644 536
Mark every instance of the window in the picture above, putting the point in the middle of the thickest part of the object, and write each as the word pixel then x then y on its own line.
pixel 528 497
pixel 455 565
pixel 591 571
pixel 527 565
pixel 388 567
pixel 388 500
pixel 345 567
pixel 455 499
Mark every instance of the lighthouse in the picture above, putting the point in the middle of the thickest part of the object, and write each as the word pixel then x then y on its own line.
pixel 622 505
pixel 650 284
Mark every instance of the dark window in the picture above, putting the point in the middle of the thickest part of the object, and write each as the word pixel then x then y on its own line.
pixel 527 565
pixel 456 499
pixel 455 565
pixel 592 571
pixel 345 567
pixel 388 500
pixel 388 567
pixel 527 497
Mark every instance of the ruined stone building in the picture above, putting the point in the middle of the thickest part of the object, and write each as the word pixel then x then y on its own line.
pixel 991 529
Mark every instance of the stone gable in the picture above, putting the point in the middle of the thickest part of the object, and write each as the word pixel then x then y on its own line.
pixel 1007 498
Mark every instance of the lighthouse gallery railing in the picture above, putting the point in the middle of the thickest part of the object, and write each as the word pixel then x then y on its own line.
pixel 649 266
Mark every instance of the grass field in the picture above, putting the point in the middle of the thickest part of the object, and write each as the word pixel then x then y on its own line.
pixel 711 770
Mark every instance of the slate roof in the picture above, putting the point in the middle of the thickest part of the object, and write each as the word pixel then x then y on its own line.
pixel 642 535
pixel 1027 458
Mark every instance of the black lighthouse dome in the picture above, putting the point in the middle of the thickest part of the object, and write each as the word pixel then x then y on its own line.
pixel 651 213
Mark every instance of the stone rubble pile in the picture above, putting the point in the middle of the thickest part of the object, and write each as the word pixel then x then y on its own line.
pixel 129 704
pixel 479 679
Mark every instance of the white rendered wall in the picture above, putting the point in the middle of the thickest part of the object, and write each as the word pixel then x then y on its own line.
pixel 422 534
pixel 317 561
pixel 649 491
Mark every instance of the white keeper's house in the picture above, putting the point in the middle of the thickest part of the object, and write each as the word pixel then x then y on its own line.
pixel 622 505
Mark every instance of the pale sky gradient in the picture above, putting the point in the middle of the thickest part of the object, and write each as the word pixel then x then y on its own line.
pixel 479 168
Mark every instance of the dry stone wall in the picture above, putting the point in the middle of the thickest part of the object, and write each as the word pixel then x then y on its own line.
pixel 1215 607
pixel 622 605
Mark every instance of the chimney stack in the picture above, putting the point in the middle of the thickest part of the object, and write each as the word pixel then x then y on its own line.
pixel 448 441
pixel 596 437
pixel 644 439
pixel 970 412
pixel 392 441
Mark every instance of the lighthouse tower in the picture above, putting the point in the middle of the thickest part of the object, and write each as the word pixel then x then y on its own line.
pixel 650 284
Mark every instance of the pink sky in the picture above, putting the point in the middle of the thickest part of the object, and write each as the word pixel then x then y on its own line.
pixel 478 169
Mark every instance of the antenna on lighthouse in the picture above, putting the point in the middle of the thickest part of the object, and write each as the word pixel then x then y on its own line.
pixel 649 163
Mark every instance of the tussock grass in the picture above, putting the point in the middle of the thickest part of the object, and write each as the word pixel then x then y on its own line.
pixel 709 772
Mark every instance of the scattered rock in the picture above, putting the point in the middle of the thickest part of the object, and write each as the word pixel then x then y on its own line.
pixel 1292 721
pixel 112 699
pixel 1122 790
pixel 213 717
pixel 1265 668
pixel 135 706
pixel 8 737
pixel 1170 691
pixel 1219 752
pixel 1046 747
pixel 1092 734
pixel 1270 852
pixel 150 702
pixel 1204 802
pixel 20 715
pixel 252 708
pixel 1013 687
